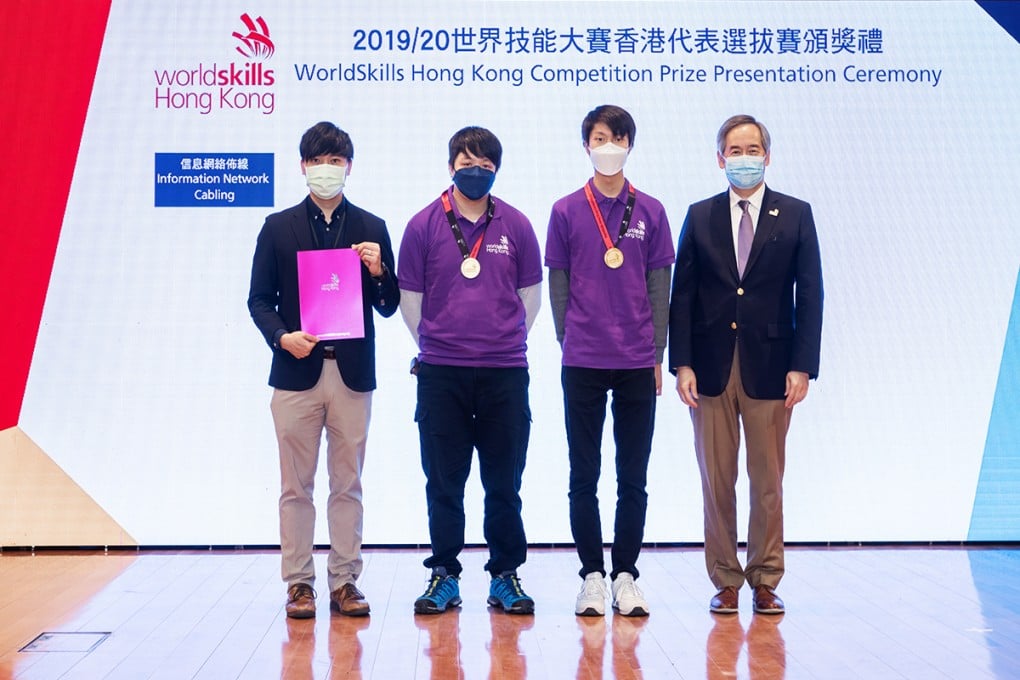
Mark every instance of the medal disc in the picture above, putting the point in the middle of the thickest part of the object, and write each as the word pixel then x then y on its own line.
pixel 614 258
pixel 470 268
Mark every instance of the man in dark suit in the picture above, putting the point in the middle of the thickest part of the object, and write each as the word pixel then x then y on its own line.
pixel 324 384
pixel 745 330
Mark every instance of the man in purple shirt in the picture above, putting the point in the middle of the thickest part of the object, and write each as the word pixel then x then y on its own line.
pixel 609 251
pixel 471 272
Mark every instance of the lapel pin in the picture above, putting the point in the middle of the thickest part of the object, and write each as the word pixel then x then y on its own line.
pixel 774 212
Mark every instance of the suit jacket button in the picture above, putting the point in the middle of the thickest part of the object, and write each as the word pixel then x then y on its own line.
pixel 733 325
pixel 740 291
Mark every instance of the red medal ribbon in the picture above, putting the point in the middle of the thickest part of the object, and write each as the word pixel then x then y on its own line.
pixel 456 229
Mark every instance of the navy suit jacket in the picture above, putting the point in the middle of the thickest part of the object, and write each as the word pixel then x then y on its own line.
pixel 773 313
pixel 273 296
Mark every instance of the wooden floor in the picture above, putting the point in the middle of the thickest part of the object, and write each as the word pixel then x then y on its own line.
pixel 852 613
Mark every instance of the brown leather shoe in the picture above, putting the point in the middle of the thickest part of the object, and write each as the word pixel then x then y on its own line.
pixel 349 601
pixel 766 601
pixel 300 601
pixel 725 601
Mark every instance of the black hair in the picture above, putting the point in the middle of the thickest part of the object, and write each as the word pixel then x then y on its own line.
pixel 326 139
pixel 615 118
pixel 476 141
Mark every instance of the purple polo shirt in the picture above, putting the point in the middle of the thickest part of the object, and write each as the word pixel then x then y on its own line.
pixel 608 322
pixel 470 322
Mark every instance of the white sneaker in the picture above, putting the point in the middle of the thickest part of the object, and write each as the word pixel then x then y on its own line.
pixel 627 597
pixel 591 601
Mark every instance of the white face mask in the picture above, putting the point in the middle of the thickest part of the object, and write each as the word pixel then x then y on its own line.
pixel 326 181
pixel 609 158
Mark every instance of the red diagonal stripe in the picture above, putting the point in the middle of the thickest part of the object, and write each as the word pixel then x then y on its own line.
pixel 50 52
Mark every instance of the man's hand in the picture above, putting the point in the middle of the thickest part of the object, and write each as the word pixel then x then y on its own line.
pixel 687 386
pixel 796 387
pixel 371 256
pixel 658 380
pixel 298 343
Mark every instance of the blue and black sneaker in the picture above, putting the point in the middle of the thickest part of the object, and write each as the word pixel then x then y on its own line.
pixel 505 592
pixel 442 591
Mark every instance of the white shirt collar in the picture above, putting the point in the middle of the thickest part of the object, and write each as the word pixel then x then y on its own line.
pixel 754 199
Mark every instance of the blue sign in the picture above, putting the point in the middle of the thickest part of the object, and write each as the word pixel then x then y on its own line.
pixel 213 180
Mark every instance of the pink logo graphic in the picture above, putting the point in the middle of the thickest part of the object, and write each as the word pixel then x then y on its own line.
pixel 256 44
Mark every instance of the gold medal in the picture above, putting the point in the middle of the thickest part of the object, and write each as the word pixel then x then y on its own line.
pixel 614 258
pixel 470 268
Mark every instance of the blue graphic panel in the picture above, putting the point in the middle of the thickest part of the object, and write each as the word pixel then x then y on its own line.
pixel 217 180
pixel 1006 14
pixel 996 515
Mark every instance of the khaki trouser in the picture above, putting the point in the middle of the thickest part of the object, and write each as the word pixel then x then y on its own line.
pixel 717 422
pixel 300 417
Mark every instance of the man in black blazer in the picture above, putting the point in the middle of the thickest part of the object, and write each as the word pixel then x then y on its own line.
pixel 324 384
pixel 745 332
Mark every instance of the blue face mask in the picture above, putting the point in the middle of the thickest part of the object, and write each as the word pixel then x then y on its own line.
pixel 745 172
pixel 474 182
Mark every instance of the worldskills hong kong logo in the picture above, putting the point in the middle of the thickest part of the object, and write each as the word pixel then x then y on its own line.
pixel 636 230
pixel 204 87
pixel 333 284
pixel 255 44
pixel 501 248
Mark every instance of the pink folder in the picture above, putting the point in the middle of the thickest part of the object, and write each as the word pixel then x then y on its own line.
pixel 329 290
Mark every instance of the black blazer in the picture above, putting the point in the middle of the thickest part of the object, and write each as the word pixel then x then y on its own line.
pixel 273 296
pixel 774 312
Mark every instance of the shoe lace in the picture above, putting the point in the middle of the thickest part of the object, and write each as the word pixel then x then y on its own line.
pixel 630 589
pixel 301 590
pixel 594 586
pixel 350 590
pixel 435 583
pixel 509 585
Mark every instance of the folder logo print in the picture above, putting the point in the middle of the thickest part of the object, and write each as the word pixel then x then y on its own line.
pixel 334 283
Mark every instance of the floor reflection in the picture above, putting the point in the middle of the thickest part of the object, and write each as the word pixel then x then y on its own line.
pixel 593 646
pixel 993 573
pixel 298 658
pixel 506 659
pixel 345 646
pixel 722 649
pixel 442 648
pixel 298 649
pixel 766 650
pixel 626 635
